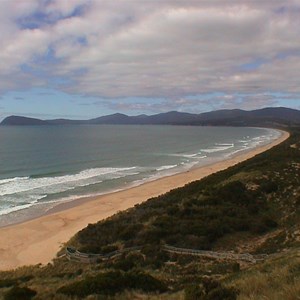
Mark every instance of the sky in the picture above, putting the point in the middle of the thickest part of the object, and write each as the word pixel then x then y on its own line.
pixel 81 59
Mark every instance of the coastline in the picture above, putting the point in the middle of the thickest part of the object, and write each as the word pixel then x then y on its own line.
pixel 38 240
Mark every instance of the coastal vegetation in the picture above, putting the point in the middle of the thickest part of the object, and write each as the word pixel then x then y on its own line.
pixel 252 207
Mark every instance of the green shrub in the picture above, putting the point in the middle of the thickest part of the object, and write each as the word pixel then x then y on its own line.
pixel 108 249
pixel 124 264
pixel 25 278
pixel 193 292
pixel 221 293
pixel 19 293
pixel 210 284
pixel 210 290
pixel 111 283
pixel 270 223
pixel 269 187
pixel 7 282
pixel 108 284
pixel 144 282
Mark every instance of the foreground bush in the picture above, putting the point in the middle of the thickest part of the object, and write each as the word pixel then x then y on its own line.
pixel 111 283
pixel 19 293
pixel 193 292
pixel 210 290
pixel 7 282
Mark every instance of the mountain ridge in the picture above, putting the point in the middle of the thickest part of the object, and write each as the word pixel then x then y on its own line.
pixel 268 116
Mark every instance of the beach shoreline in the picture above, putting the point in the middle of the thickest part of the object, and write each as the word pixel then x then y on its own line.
pixel 38 240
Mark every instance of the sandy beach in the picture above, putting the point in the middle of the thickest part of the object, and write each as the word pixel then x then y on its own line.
pixel 38 240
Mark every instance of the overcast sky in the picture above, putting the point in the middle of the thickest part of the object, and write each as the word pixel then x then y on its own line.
pixel 86 58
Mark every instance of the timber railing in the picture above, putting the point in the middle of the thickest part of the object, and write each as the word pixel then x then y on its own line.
pixel 75 255
pixel 212 254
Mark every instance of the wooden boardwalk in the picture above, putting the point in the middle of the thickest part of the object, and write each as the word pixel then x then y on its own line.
pixel 75 255
pixel 216 255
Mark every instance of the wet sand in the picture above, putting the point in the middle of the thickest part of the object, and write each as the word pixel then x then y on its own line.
pixel 38 240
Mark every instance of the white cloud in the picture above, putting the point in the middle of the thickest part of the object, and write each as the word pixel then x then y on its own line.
pixel 64 7
pixel 168 49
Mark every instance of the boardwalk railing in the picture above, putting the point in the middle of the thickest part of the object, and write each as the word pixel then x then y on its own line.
pixel 73 254
pixel 211 254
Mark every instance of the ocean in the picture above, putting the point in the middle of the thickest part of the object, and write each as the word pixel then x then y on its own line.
pixel 42 166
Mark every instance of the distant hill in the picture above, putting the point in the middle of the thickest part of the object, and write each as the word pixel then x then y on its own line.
pixel 17 120
pixel 113 119
pixel 270 116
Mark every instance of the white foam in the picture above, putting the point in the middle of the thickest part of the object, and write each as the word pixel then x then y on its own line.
pixel 224 144
pixel 4 181
pixel 24 192
pixel 203 156
pixel 184 155
pixel 190 155
pixel 243 141
pixel 217 149
pixel 166 167
pixel 60 183
pixel 193 155
pixel 250 143
pixel 15 207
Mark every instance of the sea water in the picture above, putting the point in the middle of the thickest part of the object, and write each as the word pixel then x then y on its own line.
pixel 42 166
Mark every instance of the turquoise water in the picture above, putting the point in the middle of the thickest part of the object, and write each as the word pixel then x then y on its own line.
pixel 41 166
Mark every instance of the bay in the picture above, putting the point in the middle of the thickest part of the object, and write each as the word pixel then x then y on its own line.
pixel 41 166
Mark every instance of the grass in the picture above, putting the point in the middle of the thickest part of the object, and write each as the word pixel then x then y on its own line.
pixel 276 279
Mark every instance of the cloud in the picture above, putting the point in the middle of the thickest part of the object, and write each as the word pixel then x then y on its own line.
pixel 168 49
pixel 45 94
pixel 200 103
